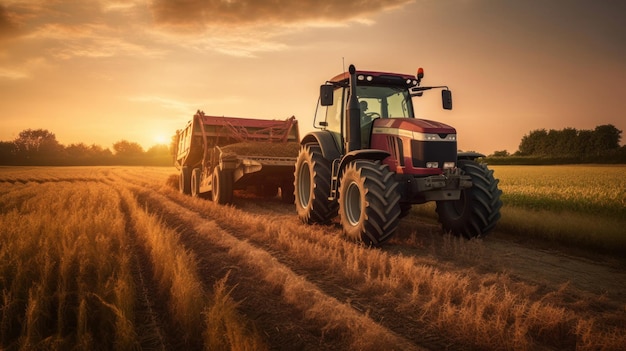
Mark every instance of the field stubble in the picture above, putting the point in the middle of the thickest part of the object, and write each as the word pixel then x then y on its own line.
pixel 249 276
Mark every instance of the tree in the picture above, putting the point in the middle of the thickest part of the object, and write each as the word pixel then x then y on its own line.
pixel 37 146
pixel 124 148
pixel 571 142
pixel 81 154
pixel 128 153
pixel 7 153
pixel 502 153
pixel 606 137
pixel 566 142
pixel 533 143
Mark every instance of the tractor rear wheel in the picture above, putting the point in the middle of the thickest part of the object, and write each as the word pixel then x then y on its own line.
pixel 478 209
pixel 312 186
pixel 184 181
pixel 222 183
pixel 369 202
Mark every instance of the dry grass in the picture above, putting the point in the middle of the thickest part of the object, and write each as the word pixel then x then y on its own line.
pixel 225 328
pixel 66 266
pixel 496 311
pixel 58 289
pixel 72 295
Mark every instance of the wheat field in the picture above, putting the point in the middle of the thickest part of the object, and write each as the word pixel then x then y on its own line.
pixel 116 258
pixel 583 206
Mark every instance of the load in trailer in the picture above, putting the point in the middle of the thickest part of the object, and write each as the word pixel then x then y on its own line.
pixel 373 159
pixel 217 155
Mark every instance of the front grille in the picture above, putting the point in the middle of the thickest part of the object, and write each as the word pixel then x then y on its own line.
pixel 394 145
pixel 432 151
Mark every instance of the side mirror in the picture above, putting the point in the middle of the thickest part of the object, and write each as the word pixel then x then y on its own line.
pixel 326 94
pixel 446 99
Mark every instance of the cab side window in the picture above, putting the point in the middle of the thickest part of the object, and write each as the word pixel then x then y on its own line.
pixel 334 117
pixel 334 112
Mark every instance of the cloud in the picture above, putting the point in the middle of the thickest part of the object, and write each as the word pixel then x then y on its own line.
pixel 8 27
pixel 208 13
pixel 23 70
pixel 183 107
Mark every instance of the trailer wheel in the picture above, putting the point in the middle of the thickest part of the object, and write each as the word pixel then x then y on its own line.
pixel 478 209
pixel 312 186
pixel 222 182
pixel 287 193
pixel 184 181
pixel 196 175
pixel 369 202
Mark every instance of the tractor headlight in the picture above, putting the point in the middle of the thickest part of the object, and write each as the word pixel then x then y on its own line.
pixel 448 165
pixel 432 164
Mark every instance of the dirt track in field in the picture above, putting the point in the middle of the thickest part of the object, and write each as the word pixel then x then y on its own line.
pixel 589 284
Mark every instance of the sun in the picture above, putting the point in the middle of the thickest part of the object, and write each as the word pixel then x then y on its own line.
pixel 160 139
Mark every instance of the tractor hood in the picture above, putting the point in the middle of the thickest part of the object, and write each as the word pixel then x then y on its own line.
pixel 409 125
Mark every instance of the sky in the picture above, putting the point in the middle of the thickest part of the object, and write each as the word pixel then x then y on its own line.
pixel 101 71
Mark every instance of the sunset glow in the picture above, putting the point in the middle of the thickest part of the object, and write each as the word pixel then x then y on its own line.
pixel 109 70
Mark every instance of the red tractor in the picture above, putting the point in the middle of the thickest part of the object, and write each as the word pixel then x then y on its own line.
pixel 372 159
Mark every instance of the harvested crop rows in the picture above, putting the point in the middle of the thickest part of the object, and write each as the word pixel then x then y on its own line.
pixel 171 271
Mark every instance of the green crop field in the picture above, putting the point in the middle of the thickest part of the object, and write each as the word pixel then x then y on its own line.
pixel 593 190
pixel 581 205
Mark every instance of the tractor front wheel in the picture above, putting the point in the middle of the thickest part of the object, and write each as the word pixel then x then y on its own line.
pixel 369 202
pixel 478 209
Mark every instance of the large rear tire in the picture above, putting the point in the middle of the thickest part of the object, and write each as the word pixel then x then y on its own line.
pixel 184 181
pixel 478 209
pixel 369 202
pixel 222 182
pixel 312 186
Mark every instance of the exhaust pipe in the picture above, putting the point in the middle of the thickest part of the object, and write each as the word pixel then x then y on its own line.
pixel 353 113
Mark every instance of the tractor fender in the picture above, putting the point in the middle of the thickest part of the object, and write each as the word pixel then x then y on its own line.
pixel 368 154
pixel 326 141
pixel 470 155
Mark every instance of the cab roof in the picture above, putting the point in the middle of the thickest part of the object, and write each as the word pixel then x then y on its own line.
pixel 377 78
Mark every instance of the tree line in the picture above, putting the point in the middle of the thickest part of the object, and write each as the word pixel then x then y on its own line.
pixel 570 145
pixel 39 147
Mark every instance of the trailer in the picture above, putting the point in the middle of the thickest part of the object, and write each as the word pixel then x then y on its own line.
pixel 217 155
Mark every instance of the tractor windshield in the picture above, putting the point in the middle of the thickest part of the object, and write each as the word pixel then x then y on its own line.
pixel 385 101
